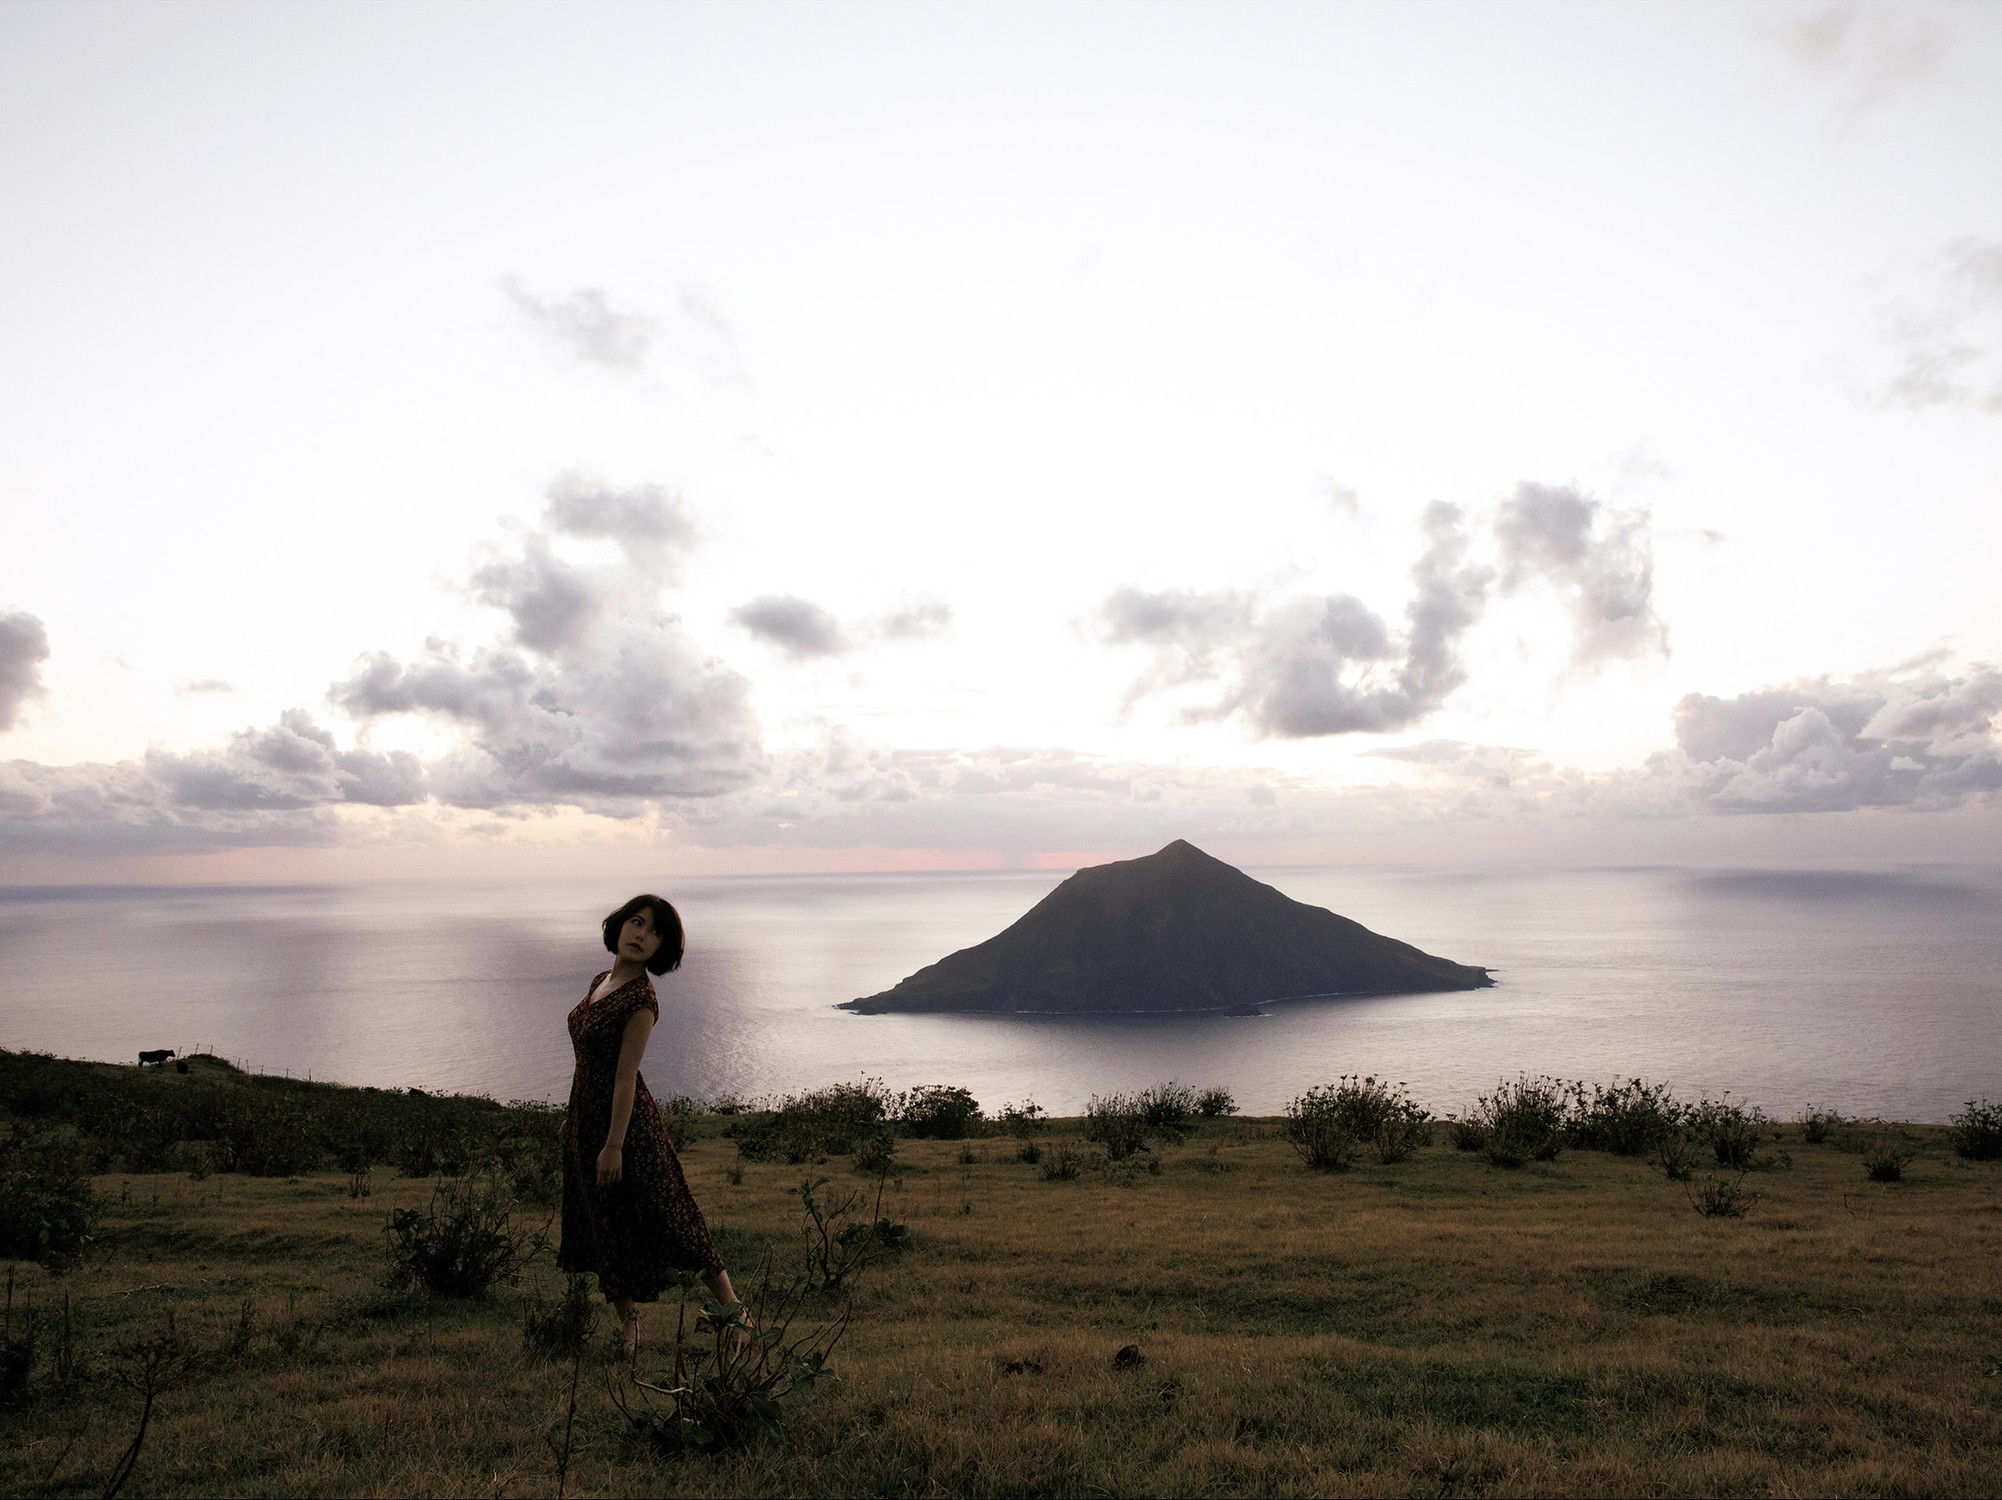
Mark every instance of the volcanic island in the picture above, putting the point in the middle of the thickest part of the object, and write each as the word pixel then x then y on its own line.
pixel 1176 932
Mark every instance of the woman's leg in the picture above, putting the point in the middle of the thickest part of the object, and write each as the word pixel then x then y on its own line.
pixel 629 1320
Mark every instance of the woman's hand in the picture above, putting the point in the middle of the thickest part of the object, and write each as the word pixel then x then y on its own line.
pixel 611 1165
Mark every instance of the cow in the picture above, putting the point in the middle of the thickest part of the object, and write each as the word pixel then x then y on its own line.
pixel 180 1066
pixel 159 1055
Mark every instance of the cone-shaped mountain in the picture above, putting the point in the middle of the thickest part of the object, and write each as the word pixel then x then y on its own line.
pixel 1175 931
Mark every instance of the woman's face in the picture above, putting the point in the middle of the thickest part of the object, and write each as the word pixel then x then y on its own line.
pixel 637 940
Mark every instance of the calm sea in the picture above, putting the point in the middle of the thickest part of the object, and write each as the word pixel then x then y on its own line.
pixel 1876 992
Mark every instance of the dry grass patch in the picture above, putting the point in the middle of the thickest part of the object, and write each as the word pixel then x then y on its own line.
pixel 1435 1326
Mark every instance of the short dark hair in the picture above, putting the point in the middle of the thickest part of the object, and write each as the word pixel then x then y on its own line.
pixel 666 922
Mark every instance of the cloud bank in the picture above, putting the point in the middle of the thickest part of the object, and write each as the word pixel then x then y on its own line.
pixel 1921 740
pixel 589 694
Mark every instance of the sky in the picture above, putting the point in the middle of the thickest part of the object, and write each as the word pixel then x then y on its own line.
pixel 500 440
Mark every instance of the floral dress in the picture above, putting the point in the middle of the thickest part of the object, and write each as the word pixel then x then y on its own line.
pixel 638 1232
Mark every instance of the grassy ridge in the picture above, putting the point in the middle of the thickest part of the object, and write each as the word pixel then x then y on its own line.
pixel 1437 1326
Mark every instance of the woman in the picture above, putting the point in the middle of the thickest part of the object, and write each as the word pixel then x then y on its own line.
pixel 627 1212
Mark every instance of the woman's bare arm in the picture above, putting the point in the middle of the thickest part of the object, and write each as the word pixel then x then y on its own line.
pixel 625 1081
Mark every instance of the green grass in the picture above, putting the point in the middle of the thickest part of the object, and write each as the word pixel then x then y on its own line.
pixel 1435 1327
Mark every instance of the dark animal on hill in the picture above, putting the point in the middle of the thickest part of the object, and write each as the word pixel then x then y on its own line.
pixel 160 1055
pixel 180 1067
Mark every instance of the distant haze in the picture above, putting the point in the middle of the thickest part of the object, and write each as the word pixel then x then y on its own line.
pixel 625 441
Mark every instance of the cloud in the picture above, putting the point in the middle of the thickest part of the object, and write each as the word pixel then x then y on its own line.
pixel 294 764
pixel 1188 635
pixel 555 604
pixel 1912 739
pixel 1342 499
pixel 653 525
pixel 803 631
pixel 925 620
pixel 1499 766
pixel 797 627
pixel 1938 346
pixel 598 699
pixel 197 687
pixel 1600 561
pixel 1923 740
pixel 272 786
pixel 125 808
pixel 1865 52
pixel 841 792
pixel 1312 666
pixel 585 326
pixel 592 697
pixel 24 646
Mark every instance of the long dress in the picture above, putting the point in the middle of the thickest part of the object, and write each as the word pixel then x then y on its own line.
pixel 642 1229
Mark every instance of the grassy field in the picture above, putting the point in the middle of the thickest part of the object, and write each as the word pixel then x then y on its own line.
pixel 1435 1327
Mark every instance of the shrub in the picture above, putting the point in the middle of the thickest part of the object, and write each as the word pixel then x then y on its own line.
pixel 1316 1129
pixel 938 1112
pixel 731 1379
pixel 1030 1151
pixel 1468 1136
pixel 1623 1118
pixel 431 1148
pixel 1063 1163
pixel 1675 1153
pixel 877 1153
pixel 1327 1126
pixel 1214 1104
pixel 1022 1120
pixel 1114 1121
pixel 1388 1118
pixel 47 1206
pixel 678 1115
pixel 1817 1125
pixel 839 1243
pixel 1733 1132
pixel 531 1159
pixel 1719 1199
pixel 1522 1121
pixel 196 1158
pixel 1166 1109
pixel 464 1241
pixel 557 1330
pixel 1977 1131
pixel 17 1348
pixel 814 1125
pixel 269 1135
pixel 1886 1155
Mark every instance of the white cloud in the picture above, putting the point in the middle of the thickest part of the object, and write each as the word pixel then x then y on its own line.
pixel 24 646
pixel 585 326
pixel 1865 53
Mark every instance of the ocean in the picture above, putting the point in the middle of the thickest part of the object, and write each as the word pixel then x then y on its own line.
pixel 1875 992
